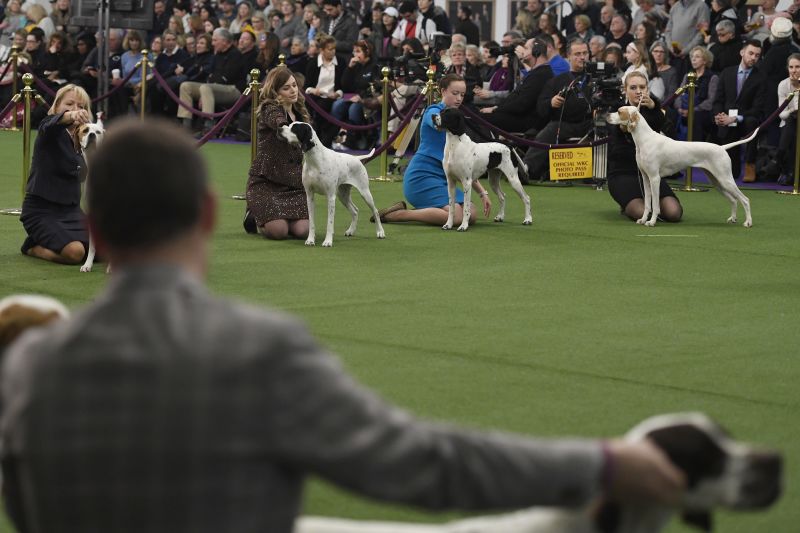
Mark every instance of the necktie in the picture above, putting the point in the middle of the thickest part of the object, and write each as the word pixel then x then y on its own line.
pixel 740 80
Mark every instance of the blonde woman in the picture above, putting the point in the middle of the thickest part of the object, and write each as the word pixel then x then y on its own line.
pixel 51 211
pixel 276 200
pixel 639 60
pixel 704 94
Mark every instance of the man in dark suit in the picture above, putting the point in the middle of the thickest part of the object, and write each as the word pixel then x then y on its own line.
pixel 162 408
pixel 517 112
pixel 466 27
pixel 739 106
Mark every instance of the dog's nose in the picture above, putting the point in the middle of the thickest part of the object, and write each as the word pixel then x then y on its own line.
pixel 762 484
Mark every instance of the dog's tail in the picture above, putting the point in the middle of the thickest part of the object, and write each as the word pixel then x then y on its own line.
pixel 741 141
pixel 365 156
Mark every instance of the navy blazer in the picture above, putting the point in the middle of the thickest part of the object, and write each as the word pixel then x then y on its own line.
pixel 57 169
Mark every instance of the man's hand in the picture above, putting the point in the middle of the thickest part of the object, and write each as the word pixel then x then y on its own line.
pixel 480 92
pixel 641 473
pixel 557 101
pixel 488 109
pixel 721 119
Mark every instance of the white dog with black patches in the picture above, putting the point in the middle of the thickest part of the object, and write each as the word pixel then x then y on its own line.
pixel 87 138
pixel 465 161
pixel 331 174
pixel 720 473
pixel 657 155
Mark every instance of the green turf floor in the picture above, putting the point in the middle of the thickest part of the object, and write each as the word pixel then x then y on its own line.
pixel 581 324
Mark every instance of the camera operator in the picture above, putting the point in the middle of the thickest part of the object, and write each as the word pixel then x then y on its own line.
pixel 566 101
pixel 503 79
pixel 407 77
pixel 624 182
pixel 518 111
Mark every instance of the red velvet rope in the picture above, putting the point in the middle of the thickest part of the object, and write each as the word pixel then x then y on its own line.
pixel 175 98
pixel 227 118
pixel 385 146
pixel 6 110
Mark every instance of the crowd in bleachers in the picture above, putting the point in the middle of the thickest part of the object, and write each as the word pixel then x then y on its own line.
pixel 205 50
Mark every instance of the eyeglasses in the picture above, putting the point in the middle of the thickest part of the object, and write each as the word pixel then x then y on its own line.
pixel 657 51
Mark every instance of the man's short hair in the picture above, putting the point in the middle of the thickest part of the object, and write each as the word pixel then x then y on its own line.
pixel 223 33
pixel 752 42
pixel 407 6
pixel 335 3
pixel 725 26
pixel 574 42
pixel 147 186
pixel 546 39
pixel 600 39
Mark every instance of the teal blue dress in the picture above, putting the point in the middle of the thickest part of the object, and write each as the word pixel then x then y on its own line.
pixel 424 182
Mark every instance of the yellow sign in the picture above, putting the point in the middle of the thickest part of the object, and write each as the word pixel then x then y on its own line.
pixel 570 163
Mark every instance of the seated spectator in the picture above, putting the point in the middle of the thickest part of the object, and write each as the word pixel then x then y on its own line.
pixel 588 8
pixel 356 79
pixel 259 23
pixel 297 61
pixel 340 25
pixel 773 65
pixel 117 102
pixel 618 32
pixel 183 10
pixel 59 60
pixel 646 33
pixel 248 49
pixel 228 14
pixel 526 24
pixel 309 11
pixel 14 20
pixel 726 49
pixel 198 66
pixel 548 25
pixel 704 94
pixel 681 33
pixel 475 58
pixel 324 81
pixel 554 59
pixel 517 112
pixel 188 43
pixel 566 104
pixel 381 37
pixel 244 11
pixel 35 48
pixel 459 65
pixel 224 84
pixel 597 45
pixel 84 45
pixel 175 25
pixel 758 25
pixel 160 17
pixel 583 29
pixel 721 10
pixel 133 46
pixel 505 74
pixel 667 73
pixel 291 26
pixel 638 58
pixel 168 64
pixel 650 9
pixel 37 18
pixel 607 13
pixel 269 50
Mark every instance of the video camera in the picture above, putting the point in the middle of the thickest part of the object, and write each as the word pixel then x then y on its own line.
pixel 605 86
pixel 497 51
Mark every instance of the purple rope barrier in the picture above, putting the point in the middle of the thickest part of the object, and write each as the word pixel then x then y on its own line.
pixel 227 118
pixel 115 89
pixel 175 98
pixel 6 109
pixel 333 120
pixel 668 102
pixel 399 130
pixel 525 142
pixel 5 70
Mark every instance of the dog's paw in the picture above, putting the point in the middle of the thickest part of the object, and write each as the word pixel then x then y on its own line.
pixel 650 223
pixel 327 243
pixel 463 227
pixel 499 218
pixel 381 234
pixel 527 222
pixel 349 232
pixel 731 220
pixel 310 242
pixel 748 224
pixel 642 220
pixel 447 226
pixel 86 268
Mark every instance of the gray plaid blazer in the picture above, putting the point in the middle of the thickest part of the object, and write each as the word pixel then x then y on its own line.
pixel 160 408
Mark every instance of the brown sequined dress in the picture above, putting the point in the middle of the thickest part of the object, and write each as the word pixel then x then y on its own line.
pixel 275 186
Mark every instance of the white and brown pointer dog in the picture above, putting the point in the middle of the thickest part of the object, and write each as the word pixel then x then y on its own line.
pixel 465 161
pixel 331 174
pixel 87 138
pixel 720 473
pixel 657 155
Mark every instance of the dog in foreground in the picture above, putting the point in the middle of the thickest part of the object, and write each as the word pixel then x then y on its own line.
pixel 657 155
pixel 87 138
pixel 331 174
pixel 465 161
pixel 721 473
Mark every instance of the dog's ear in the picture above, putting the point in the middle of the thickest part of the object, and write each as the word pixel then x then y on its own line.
pixel 700 519
pixel 634 119
pixel 462 124
pixel 304 135
pixel 691 450
pixel 76 138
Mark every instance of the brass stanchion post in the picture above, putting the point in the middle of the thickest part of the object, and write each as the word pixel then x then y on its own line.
pixel 691 84
pixel 143 91
pixel 384 160
pixel 281 60
pixel 26 94
pixel 254 86
pixel 796 189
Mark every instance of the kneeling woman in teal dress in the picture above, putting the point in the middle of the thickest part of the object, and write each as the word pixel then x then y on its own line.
pixel 424 181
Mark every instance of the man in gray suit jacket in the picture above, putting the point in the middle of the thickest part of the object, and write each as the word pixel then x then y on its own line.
pixel 160 408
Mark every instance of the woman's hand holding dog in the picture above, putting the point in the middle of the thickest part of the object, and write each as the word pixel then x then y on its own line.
pixel 78 116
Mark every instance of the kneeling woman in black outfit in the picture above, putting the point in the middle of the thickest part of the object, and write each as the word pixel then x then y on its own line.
pixel 51 211
pixel 624 182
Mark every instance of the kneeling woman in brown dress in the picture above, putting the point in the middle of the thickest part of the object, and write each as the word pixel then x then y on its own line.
pixel 275 194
